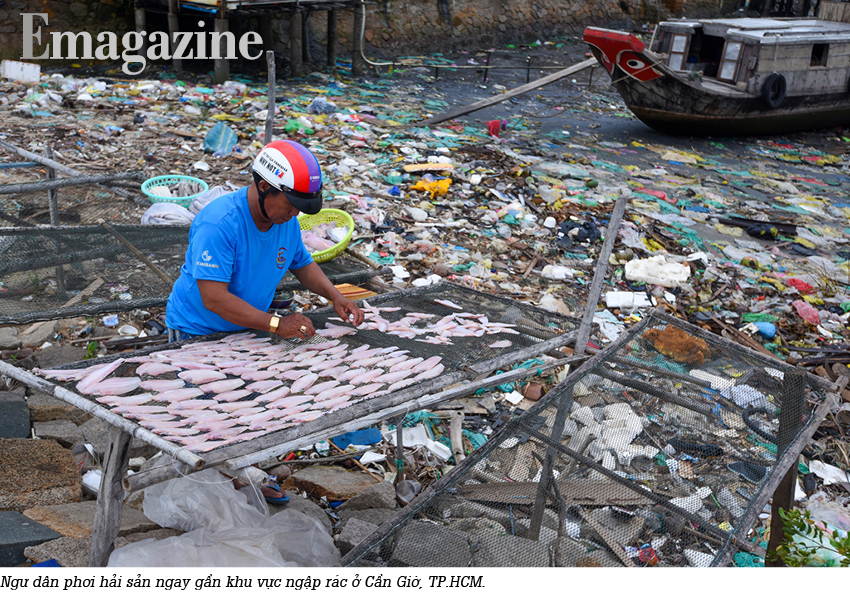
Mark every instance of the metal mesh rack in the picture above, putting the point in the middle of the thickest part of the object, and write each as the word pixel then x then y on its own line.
pixel 660 450
pixel 537 331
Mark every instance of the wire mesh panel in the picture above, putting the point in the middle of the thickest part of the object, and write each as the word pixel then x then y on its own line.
pixel 247 386
pixel 652 454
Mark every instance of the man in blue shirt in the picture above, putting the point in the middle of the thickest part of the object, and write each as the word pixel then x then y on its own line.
pixel 242 244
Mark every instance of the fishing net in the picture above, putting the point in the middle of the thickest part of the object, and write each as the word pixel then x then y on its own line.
pixel 657 452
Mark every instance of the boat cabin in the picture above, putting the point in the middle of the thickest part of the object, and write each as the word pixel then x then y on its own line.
pixel 810 55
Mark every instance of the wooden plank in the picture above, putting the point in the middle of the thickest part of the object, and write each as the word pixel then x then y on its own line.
pixel 110 498
pixel 609 538
pixel 507 95
pixel 593 493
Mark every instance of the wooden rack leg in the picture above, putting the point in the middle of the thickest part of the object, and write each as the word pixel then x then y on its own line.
pixel 332 20
pixel 222 65
pixel 356 52
pixel 295 56
pixel 110 499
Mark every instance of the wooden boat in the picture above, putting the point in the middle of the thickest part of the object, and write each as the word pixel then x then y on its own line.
pixel 730 77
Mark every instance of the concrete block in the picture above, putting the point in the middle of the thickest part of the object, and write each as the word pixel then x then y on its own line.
pixel 37 472
pixel 96 433
pixel 44 408
pixel 377 496
pixel 76 520
pixel 17 532
pixel 509 551
pixel 420 544
pixel 373 516
pixel 356 530
pixel 14 416
pixel 334 483
pixel 56 355
pixel 62 431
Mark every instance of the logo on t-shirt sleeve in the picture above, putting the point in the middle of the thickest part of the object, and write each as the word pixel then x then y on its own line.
pixel 206 257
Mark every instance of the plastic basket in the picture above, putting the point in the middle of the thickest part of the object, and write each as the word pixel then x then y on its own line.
pixel 171 179
pixel 339 218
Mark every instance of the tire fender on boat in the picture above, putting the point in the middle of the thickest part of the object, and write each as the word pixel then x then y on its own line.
pixel 773 91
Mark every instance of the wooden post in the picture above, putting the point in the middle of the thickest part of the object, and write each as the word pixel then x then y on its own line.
pixel 141 23
pixel 790 423
pixel 54 221
pixel 222 65
pixel 306 38
pixel 173 29
pixel 356 42
pixel 457 436
pixel 399 449
pixel 272 99
pixel 295 43
pixel 110 499
pixel 332 21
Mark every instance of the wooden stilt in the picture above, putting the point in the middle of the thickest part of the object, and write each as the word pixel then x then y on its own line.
pixel 141 23
pixel 272 101
pixel 173 29
pixel 305 38
pixel 332 21
pixel 356 50
pixel 295 43
pixel 54 221
pixel 110 499
pixel 222 65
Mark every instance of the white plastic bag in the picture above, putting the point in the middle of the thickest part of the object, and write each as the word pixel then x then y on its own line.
pixel 224 530
pixel 657 270
pixel 167 213
pixel 200 202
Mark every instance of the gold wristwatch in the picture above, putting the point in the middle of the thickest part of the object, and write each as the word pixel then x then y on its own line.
pixel 273 324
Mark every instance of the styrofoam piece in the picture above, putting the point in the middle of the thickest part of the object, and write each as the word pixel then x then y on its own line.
pixel 25 72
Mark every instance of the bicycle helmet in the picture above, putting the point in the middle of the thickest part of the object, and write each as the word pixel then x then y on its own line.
pixel 292 169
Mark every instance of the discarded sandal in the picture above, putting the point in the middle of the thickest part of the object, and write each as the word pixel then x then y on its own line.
pixel 276 501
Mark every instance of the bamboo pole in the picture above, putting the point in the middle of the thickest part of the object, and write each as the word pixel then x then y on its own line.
pixel 270 64
pixel 136 252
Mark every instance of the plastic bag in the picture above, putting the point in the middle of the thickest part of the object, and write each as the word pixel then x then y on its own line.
pixel 220 137
pixel 167 213
pixel 224 530
pixel 200 202
pixel 657 270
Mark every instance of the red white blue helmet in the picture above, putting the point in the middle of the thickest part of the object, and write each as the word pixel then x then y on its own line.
pixel 293 169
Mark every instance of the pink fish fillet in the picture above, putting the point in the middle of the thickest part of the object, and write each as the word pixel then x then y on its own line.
pixel 367 389
pixel 401 384
pixel 432 373
pixel 393 376
pixel 66 375
pixel 232 407
pixel 239 370
pixel 261 375
pixel 336 331
pixel 206 416
pixel 225 433
pixel 150 417
pixel 290 401
pixel 303 383
pixel 318 388
pixel 351 373
pixel 205 446
pixel 335 402
pixel 334 372
pixel 124 401
pixel 214 426
pixel 334 392
pixel 191 404
pixel 292 374
pixel 303 356
pixel 501 344
pixel 220 386
pixel 258 418
pixel 448 303
pixel 369 376
pixel 86 385
pixel 274 395
pixel 427 364
pixel 154 369
pixel 193 365
pixel 201 376
pixel 181 394
pixel 137 409
pixel 264 385
pixel 391 361
pixel 295 409
pixel 248 411
pixel 365 363
pixel 324 365
pixel 162 385
pixel 407 365
pixel 243 436
pixel 284 366
pixel 233 395
pixel 116 386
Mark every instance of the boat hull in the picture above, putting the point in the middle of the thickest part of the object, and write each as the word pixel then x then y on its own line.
pixel 674 103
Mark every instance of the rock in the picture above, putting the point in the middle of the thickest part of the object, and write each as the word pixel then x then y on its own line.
pixel 281 472
pixel 135 500
pixel 157 534
pixel 14 416
pixel 460 508
pixel 44 408
pixel 17 532
pixel 77 519
pixel 37 472
pixel 9 338
pixel 509 551
pixel 63 431
pixel 373 516
pixel 96 433
pixel 478 527
pixel 421 544
pixel 334 483
pixel 40 335
pixel 356 530
pixel 68 552
pixel 56 355
pixel 306 506
pixel 377 496
pixel 626 532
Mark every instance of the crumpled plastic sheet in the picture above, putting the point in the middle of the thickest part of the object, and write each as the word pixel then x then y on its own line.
pixel 167 213
pixel 224 530
pixel 200 202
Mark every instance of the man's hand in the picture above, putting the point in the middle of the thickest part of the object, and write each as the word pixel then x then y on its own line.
pixel 345 308
pixel 291 327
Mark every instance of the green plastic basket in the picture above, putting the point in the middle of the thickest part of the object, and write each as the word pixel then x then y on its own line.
pixel 339 218
pixel 171 179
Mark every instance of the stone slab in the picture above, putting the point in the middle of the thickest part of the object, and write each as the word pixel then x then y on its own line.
pixel 373 516
pixel 17 532
pixel 509 551
pixel 421 544
pixel 96 433
pixel 376 496
pixel 76 520
pixel 35 473
pixel 39 336
pixel 56 355
pixel 334 483
pixel 74 552
pixel 45 408
pixel 14 418
pixel 63 431
pixel 356 530
pixel 9 339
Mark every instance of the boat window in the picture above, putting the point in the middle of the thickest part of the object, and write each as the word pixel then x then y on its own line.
pixel 729 64
pixel 677 52
pixel 820 54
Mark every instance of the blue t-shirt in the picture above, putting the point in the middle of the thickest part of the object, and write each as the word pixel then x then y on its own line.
pixel 225 245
